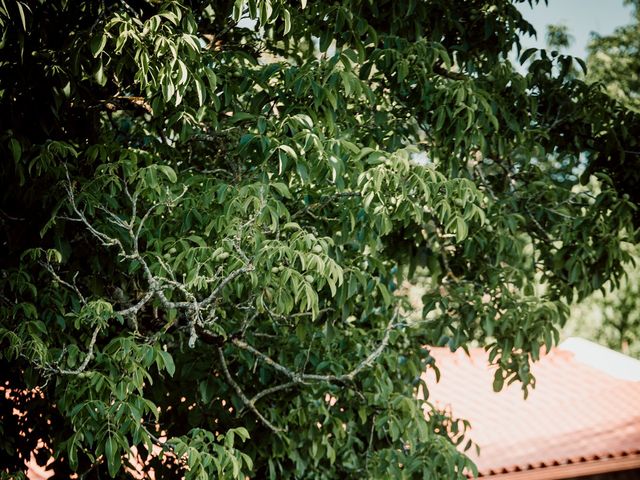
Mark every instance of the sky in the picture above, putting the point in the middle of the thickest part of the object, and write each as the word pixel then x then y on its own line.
pixel 581 16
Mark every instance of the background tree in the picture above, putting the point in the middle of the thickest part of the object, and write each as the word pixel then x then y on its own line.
pixel 612 316
pixel 208 207
pixel 614 61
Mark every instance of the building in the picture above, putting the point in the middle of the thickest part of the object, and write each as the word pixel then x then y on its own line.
pixel 582 421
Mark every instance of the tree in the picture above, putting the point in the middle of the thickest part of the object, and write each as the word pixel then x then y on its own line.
pixel 613 60
pixel 611 316
pixel 208 208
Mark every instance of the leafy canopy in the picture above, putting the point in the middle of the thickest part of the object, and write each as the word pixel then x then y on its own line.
pixel 209 208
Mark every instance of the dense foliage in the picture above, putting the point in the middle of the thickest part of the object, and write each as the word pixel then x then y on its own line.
pixel 208 208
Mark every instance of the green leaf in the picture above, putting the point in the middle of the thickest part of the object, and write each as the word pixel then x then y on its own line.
pixel 192 41
pixel 462 229
pixel 98 43
pixel 498 380
pixel 526 54
pixel 325 40
pixel 403 70
pixel 112 455
pixel 22 16
pixel 183 73
pixel 171 16
pixel 168 89
pixel 168 362
pixel 242 432
pixel 282 189
pixel 241 117
pixel 169 172
pixel 16 149
pixel 286 16
pixel 237 10
pixel 289 151
pixel 200 90
pixel 99 75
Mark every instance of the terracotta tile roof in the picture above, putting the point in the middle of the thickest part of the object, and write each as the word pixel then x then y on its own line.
pixel 575 415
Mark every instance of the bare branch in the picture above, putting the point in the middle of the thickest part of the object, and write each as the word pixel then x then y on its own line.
pixel 242 396
pixel 271 390
pixel 296 377
pixel 113 218
pixel 70 286
pixel 367 362
pixel 87 358
pixel 545 235
pixel 104 239
pixel 232 276
pixel 133 309
pixel 308 377
pixel 373 356
pixel 145 217
pixel 158 284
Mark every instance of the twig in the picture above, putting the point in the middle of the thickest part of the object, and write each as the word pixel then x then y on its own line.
pixel 232 276
pixel 9 217
pixel 323 202
pixel 271 390
pixel 296 377
pixel 87 358
pixel 164 444
pixel 539 227
pixel 249 404
pixel 307 377
pixel 440 70
pixel 70 286
pixel 133 309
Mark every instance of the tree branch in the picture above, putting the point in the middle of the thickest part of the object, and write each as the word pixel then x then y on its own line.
pixel 87 358
pixel 71 286
pixel 301 378
pixel 156 283
pixel 249 404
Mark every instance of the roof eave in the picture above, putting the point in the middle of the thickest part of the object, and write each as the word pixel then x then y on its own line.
pixel 572 470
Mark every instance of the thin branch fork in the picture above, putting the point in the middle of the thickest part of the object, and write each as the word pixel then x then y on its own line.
pixel 309 377
pixel 249 403
pixel 296 378
pixel 134 309
pixel 163 444
pixel 70 286
pixel 269 391
pixel 87 358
